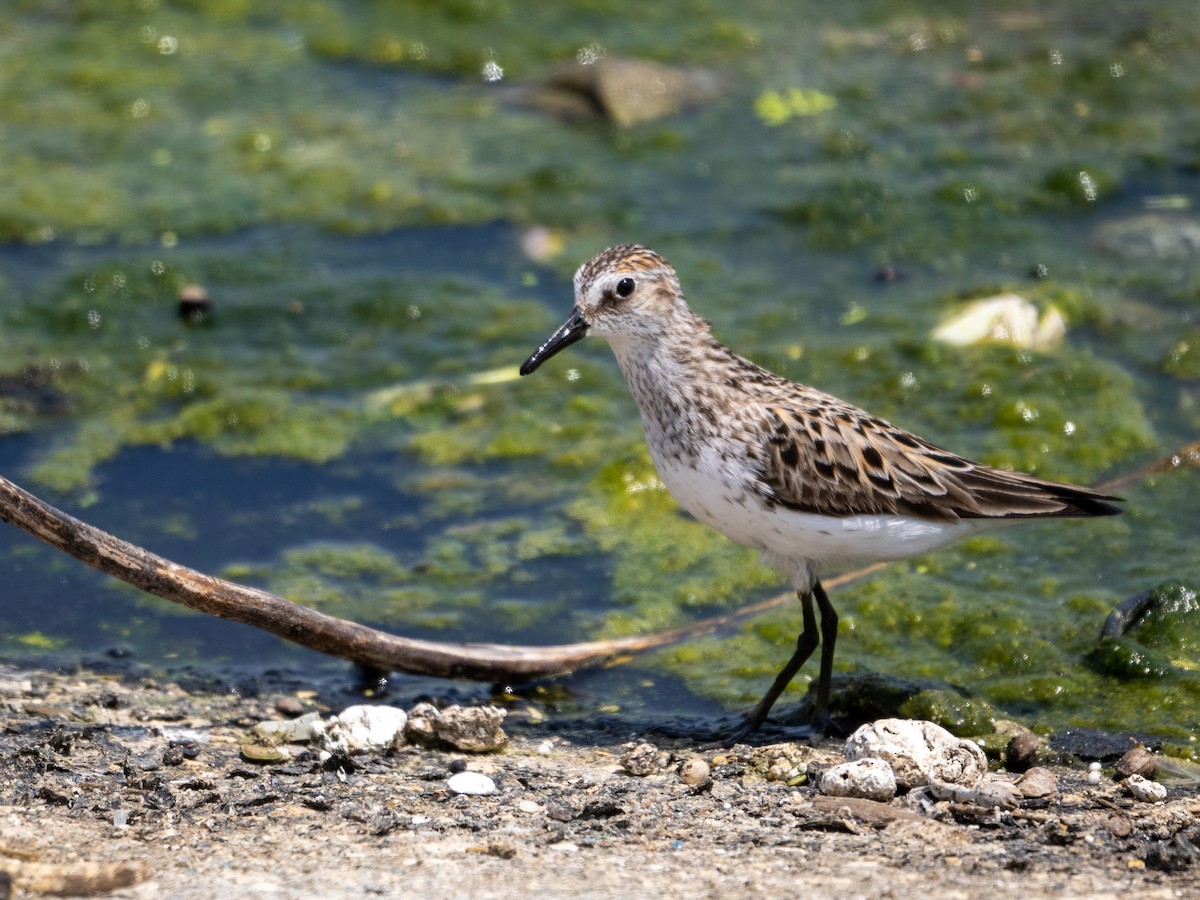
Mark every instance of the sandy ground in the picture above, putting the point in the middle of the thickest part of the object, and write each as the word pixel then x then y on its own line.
pixel 140 789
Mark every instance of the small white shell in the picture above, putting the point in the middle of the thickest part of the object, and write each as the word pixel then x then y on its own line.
pixel 473 783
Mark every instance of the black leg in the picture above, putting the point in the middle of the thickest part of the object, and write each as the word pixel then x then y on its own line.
pixel 806 643
pixel 829 629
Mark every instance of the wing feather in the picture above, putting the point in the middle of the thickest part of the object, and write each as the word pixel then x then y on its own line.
pixel 825 456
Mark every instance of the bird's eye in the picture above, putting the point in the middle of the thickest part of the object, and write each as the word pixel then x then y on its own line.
pixel 625 287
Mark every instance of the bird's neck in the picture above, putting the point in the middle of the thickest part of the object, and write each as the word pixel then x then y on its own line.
pixel 669 377
pixel 659 361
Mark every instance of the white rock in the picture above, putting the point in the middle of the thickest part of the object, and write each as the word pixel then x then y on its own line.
pixel 910 747
pixel 953 767
pixel 291 731
pixel 475 729
pixel 1003 319
pixel 867 777
pixel 365 728
pixel 1145 790
pixel 474 783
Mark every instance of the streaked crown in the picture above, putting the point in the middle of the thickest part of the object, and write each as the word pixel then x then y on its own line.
pixel 629 290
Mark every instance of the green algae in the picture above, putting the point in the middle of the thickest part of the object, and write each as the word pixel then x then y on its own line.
pixel 434 590
pixel 203 131
pixel 268 375
pixel 1182 359
pixel 1127 660
pixel 36 640
pixel 1163 640
pixel 957 714
pixel 950 149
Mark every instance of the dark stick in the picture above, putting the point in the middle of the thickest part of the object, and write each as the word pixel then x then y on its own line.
pixel 324 633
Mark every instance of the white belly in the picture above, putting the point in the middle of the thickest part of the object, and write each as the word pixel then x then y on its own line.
pixel 798 542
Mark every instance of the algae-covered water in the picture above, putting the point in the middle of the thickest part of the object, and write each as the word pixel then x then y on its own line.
pixel 385 229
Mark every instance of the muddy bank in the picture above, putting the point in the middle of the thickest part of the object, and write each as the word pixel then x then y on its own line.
pixel 141 787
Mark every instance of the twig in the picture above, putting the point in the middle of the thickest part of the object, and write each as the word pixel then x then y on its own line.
pixel 315 630
pixel 369 646
pixel 1186 456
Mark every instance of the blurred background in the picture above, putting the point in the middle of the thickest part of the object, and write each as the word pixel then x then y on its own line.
pixel 267 270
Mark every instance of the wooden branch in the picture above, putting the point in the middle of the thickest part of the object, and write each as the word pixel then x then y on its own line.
pixel 1184 457
pixel 316 630
pixel 369 646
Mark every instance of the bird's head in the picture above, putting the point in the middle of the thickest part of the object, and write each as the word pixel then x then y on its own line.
pixel 625 292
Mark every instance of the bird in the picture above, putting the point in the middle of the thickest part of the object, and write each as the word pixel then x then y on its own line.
pixel 806 479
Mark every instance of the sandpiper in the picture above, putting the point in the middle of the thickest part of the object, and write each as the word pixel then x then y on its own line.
pixel 797 474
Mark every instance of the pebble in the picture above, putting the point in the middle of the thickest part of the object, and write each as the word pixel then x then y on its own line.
pixel 289 706
pixel 475 729
pixel 1093 775
pixel 143 762
pixel 472 783
pixel 783 769
pixel 694 771
pixel 998 795
pixel 1037 784
pixel 868 777
pixel 1137 761
pixel 364 728
pixel 1144 789
pixel 1118 826
pixel 262 753
pixel 529 806
pixel 291 731
pixel 624 91
pixel 1022 752
pixel 645 759
pixel 194 303
pixel 1152 235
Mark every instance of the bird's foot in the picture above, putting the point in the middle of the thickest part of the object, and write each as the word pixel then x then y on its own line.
pixel 811 734
pixel 823 726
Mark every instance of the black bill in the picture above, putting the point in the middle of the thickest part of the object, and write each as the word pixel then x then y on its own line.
pixel 572 330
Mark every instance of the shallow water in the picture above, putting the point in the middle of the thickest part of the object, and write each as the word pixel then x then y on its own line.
pixel 346 430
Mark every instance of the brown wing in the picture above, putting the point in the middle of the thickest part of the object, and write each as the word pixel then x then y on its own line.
pixel 829 457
